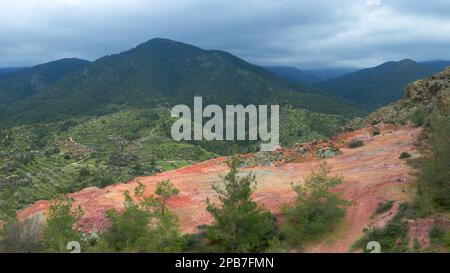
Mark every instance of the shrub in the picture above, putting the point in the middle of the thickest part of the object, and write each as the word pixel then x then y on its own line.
pixel 23 237
pixel 376 131
pixel 418 117
pixel 436 234
pixel 384 207
pixel 355 143
pixel 446 240
pixel 317 209
pixel 143 226
pixel 404 155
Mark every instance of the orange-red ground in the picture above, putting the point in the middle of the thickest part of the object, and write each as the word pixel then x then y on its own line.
pixel 372 174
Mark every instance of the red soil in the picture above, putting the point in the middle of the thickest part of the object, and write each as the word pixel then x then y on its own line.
pixel 372 174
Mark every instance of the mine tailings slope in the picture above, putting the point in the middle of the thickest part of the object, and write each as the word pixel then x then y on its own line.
pixel 372 174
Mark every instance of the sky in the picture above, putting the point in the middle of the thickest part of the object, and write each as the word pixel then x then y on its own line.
pixel 304 34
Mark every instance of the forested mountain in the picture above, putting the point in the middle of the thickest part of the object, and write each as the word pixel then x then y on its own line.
pixel 20 83
pixel 162 72
pixel 377 86
pixel 6 72
pixel 435 66
pixel 109 121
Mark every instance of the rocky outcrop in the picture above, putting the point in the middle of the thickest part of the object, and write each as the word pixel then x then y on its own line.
pixel 425 95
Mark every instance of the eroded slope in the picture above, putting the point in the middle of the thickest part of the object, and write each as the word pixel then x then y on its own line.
pixel 372 174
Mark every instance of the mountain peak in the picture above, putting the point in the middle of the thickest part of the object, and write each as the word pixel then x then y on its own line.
pixel 164 43
pixel 402 63
pixel 407 62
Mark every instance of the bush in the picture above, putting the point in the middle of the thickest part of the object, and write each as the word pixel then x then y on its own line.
pixel 418 117
pixel 23 237
pixel 404 155
pixel 317 210
pixel 384 207
pixel 355 143
pixel 446 240
pixel 436 234
pixel 376 131
pixel 143 226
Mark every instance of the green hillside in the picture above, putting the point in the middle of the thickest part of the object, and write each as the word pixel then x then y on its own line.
pixel 22 83
pixel 378 86
pixel 165 73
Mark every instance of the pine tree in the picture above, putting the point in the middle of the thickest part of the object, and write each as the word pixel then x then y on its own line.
pixel 240 225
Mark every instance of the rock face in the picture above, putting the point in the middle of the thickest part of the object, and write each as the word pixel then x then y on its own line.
pixel 427 94
pixel 372 174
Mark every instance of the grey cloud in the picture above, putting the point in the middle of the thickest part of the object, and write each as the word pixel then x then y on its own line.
pixel 305 34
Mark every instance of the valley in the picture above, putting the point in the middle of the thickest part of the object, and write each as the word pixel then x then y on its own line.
pixel 93 132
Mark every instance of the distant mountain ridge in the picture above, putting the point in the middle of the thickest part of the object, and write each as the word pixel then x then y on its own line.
pixel 380 85
pixel 163 72
pixel 24 82
pixel 436 66
pixel 6 72
pixel 309 77
pixel 295 75
pixel 372 87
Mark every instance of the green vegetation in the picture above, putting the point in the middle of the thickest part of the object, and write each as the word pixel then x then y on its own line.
pixel 240 225
pixel 164 73
pixel 392 238
pixel 404 155
pixel 89 127
pixel 446 240
pixel 355 143
pixel 384 207
pixel 377 86
pixel 43 161
pixel 317 209
pixel 434 180
pixel 60 225
pixel 418 117
pixel 300 126
pixel 24 237
pixel 28 81
pixel 145 225
pixel 436 234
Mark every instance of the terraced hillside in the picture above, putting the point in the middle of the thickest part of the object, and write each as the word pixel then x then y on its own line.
pixel 44 160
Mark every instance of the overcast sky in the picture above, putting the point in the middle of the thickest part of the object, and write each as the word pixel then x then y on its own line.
pixel 305 34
